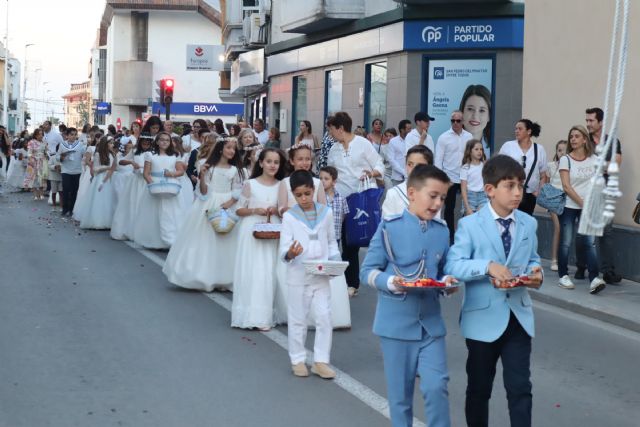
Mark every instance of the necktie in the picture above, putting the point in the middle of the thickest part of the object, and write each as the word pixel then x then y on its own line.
pixel 506 235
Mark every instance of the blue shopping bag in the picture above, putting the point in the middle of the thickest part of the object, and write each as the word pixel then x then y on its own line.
pixel 365 213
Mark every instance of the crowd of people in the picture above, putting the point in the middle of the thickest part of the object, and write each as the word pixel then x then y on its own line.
pixel 238 213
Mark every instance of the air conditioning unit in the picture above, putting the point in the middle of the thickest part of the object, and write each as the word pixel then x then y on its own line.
pixel 254 28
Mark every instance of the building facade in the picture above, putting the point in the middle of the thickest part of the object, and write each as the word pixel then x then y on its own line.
pixel 140 43
pixel 77 105
pixel 14 107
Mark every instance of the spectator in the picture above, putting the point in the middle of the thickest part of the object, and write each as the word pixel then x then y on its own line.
pixel 192 141
pixel 420 135
pixel 274 138
pixel 261 133
pixel 152 126
pixel 396 152
pixel 218 127
pixel 325 147
pixel 234 130
pixel 168 127
pixel 576 170
pixel 375 136
pixel 554 179
pixel 383 151
pixel 533 159
pixel 51 137
pixel 306 136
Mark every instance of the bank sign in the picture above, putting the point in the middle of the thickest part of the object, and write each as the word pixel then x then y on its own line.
pixel 201 109
pixel 497 33
pixel 103 108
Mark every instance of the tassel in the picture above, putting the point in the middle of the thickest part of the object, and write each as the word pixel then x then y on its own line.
pixel 591 221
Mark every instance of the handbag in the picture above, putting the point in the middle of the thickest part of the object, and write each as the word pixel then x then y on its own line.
pixel 552 199
pixel 365 214
pixel 221 220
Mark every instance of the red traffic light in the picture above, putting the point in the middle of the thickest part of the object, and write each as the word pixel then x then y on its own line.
pixel 168 83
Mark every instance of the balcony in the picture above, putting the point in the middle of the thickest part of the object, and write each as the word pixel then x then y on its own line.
pixel 313 16
pixel 132 82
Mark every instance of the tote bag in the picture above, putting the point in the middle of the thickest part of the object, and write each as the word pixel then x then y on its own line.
pixel 364 214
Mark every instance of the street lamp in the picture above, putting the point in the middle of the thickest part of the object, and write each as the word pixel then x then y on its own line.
pixel 5 101
pixel 26 75
pixel 44 107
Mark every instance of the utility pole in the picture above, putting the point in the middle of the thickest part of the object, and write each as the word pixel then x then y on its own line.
pixel 5 93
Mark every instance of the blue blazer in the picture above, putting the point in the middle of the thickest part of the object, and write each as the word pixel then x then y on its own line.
pixel 404 316
pixel 485 309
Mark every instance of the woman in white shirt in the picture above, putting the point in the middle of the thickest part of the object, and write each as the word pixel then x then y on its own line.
pixel 576 170
pixel 355 160
pixel 533 159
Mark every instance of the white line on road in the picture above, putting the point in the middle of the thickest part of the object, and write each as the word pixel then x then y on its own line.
pixel 342 380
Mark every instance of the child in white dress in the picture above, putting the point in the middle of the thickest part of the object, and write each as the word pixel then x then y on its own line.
pixel 157 219
pixel 397 200
pixel 201 258
pixel 85 177
pixel 17 168
pixel 123 172
pixel 135 187
pixel 254 282
pixel 99 206
pixel 308 234
pixel 186 192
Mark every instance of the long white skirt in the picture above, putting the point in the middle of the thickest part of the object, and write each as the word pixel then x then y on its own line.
pixel 127 207
pixel 200 258
pixel 15 175
pixel 120 180
pixel 340 306
pixel 97 212
pixel 186 193
pixel 83 187
pixel 254 278
pixel 156 222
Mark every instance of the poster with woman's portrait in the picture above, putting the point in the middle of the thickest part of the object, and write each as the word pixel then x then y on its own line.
pixel 465 85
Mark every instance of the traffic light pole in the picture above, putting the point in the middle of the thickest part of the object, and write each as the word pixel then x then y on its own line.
pixel 167 111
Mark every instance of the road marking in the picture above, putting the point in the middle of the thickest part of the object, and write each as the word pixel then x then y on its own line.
pixel 342 379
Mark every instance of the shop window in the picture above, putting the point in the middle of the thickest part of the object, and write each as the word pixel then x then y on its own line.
pixel 299 104
pixel 375 93
pixel 333 92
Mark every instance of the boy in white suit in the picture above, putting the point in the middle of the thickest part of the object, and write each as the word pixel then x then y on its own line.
pixel 491 247
pixel 308 234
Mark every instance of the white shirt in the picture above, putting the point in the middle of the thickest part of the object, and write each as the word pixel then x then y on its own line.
pixel 360 156
pixel 53 139
pixel 189 144
pixel 263 136
pixel 72 163
pixel 396 155
pixel 511 216
pixel 554 175
pixel 580 174
pixel 473 175
pixel 413 138
pixel 449 152
pixel 513 150
pixel 396 201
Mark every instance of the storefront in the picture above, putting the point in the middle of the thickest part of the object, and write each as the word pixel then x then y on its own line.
pixel 393 71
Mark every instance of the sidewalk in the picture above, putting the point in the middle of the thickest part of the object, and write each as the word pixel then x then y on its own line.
pixel 616 304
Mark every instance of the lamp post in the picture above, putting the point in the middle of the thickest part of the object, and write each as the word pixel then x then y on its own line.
pixel 5 93
pixel 26 75
pixel 44 107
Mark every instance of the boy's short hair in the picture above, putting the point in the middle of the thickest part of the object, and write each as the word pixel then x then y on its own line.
pixel 500 168
pixel 333 172
pixel 421 173
pixel 69 131
pixel 340 119
pixel 300 178
pixel 421 149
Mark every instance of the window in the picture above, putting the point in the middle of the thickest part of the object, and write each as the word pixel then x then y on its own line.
pixel 299 104
pixel 376 93
pixel 139 35
pixel 333 92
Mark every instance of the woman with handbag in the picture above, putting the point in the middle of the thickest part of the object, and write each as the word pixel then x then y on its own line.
pixel 554 180
pixel 203 255
pixel 576 170
pixel 356 160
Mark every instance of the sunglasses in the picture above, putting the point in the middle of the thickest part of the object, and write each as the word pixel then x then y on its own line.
pixel 456 120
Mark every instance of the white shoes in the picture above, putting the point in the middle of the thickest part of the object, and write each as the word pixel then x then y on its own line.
pixel 596 285
pixel 566 283
pixel 554 265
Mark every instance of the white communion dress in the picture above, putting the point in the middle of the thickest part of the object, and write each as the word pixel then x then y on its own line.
pixel 340 306
pixel 99 198
pixel 157 219
pixel 254 276
pixel 128 202
pixel 83 186
pixel 200 258
pixel 186 193
pixel 121 175
pixel 17 169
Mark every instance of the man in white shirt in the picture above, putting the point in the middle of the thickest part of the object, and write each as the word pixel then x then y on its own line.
pixel 261 133
pixel 168 127
pixel 449 152
pixel 420 134
pixel 51 137
pixel 397 152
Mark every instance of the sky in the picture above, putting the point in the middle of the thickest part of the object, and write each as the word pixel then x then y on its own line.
pixel 63 33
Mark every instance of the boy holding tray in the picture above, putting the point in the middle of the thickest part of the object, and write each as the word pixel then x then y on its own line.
pixel 308 234
pixel 492 246
pixel 408 247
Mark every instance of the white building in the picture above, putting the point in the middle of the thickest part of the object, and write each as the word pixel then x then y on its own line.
pixel 145 42
pixel 15 115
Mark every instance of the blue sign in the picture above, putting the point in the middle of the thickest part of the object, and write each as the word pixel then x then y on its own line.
pixel 201 109
pixel 496 33
pixel 103 108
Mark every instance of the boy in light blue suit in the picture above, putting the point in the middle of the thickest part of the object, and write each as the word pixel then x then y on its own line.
pixel 410 326
pixel 491 247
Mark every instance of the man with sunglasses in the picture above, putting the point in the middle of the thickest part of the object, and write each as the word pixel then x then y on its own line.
pixel 448 157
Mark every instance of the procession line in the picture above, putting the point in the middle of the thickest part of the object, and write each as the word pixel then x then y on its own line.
pixel 342 379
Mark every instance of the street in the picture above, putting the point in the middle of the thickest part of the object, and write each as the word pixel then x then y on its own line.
pixel 92 334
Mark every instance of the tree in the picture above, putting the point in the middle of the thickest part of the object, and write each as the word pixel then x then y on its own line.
pixel 83 112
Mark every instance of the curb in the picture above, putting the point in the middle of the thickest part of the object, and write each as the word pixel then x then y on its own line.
pixel 587 311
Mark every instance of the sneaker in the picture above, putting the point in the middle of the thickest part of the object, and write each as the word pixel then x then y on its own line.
pixel 554 265
pixel 579 274
pixel 596 286
pixel 300 370
pixel 566 283
pixel 611 277
pixel 353 292
pixel 323 371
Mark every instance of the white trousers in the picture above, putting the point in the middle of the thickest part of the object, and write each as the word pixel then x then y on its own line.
pixel 300 300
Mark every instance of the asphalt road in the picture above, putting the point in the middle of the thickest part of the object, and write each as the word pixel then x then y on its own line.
pixel 92 334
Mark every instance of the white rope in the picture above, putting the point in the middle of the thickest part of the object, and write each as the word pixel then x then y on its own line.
pixel 599 205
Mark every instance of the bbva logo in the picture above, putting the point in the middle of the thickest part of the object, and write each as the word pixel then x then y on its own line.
pixel 431 34
pixel 203 108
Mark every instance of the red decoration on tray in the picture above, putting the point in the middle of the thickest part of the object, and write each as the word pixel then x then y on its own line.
pixel 425 283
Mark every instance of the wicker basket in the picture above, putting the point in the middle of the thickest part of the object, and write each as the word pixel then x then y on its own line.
pixel 325 268
pixel 221 220
pixel 164 189
pixel 267 230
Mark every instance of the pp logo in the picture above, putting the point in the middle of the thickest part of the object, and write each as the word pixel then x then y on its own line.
pixel 438 73
pixel 431 34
